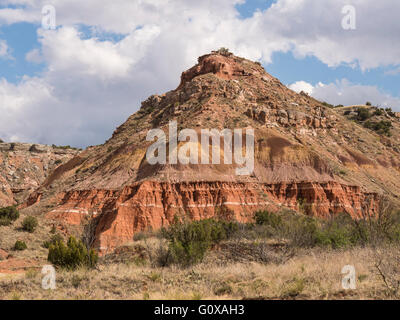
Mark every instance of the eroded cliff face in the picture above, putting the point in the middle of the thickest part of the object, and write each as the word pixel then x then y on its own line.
pixel 153 205
pixel 308 158
pixel 24 167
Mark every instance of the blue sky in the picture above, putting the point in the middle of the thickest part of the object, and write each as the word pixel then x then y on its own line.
pixel 104 58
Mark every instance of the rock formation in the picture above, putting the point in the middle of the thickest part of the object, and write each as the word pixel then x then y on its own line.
pixel 24 167
pixel 308 158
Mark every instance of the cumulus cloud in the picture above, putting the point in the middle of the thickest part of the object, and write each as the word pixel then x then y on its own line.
pixel 91 84
pixel 346 93
pixel 5 52
pixel 302 86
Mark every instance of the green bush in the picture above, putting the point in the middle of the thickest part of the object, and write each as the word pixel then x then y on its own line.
pixel 5 221
pixel 339 231
pixel 368 103
pixel 72 255
pixel 267 218
pixel 363 114
pixel 326 104
pixel 10 213
pixel 53 240
pixel 189 241
pixel 20 245
pixel 382 127
pixel 29 224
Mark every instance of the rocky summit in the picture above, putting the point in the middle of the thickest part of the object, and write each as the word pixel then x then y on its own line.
pixel 309 157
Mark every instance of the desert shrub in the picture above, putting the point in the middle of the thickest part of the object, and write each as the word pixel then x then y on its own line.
pixel 189 241
pixel 224 51
pixel 267 218
pixel 20 245
pixel 5 221
pixel 363 114
pixel 378 112
pixel 336 232
pixel 72 255
pixel 368 103
pixel 339 231
pixel 382 127
pixel 53 240
pixel 9 214
pixel 223 289
pixel 326 104
pixel 159 254
pixel 29 224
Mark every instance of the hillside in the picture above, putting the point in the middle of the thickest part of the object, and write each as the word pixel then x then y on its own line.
pixel 24 167
pixel 308 158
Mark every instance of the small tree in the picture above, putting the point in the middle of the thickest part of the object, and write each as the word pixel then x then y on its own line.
pixel 224 51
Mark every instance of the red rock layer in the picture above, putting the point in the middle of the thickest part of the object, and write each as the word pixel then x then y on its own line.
pixel 152 205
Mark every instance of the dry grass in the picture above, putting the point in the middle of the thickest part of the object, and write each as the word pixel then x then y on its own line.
pixel 311 274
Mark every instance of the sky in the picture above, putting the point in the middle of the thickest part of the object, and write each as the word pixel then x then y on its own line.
pixel 71 73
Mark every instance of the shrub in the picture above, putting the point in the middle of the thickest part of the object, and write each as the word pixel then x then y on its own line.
pixel 53 240
pixel 305 231
pixel 20 245
pixel 363 114
pixel 336 233
pixel 326 104
pixel 368 103
pixel 224 51
pixel 189 241
pixel 72 255
pixel 29 224
pixel 267 218
pixel 9 213
pixel 382 127
pixel 5 221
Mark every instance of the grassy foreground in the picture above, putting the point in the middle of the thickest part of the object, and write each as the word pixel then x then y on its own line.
pixel 314 274
pixel 280 256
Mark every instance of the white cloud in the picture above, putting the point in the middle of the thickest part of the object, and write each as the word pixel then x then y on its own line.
pixel 34 56
pixel 302 86
pixel 90 85
pixel 346 93
pixel 5 51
